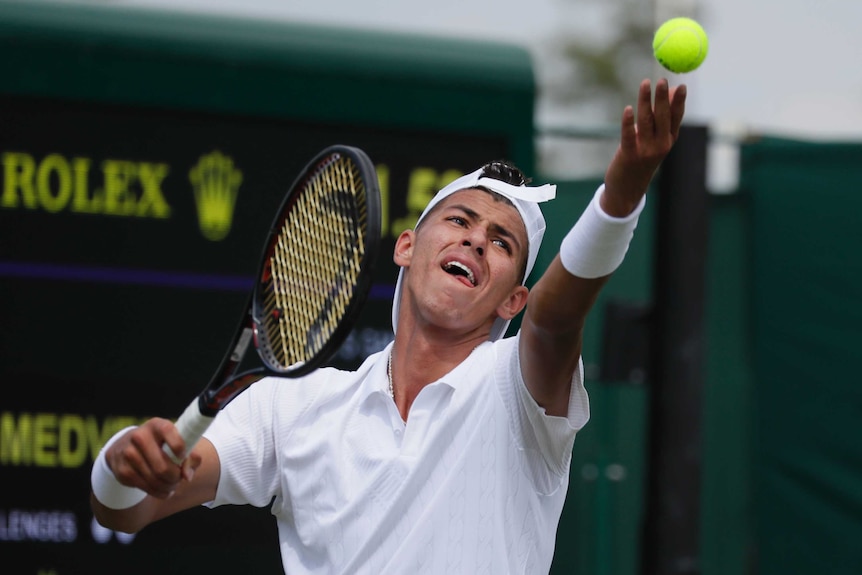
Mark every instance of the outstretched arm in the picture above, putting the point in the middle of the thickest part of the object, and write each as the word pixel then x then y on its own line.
pixel 552 329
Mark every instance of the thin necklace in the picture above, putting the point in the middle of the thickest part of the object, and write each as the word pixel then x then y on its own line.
pixel 389 374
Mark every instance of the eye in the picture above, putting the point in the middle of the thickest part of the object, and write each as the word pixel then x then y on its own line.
pixel 457 220
pixel 503 244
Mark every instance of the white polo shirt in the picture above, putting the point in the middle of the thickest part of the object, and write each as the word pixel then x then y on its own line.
pixel 473 483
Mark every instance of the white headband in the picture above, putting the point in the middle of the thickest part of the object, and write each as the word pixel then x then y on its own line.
pixel 525 198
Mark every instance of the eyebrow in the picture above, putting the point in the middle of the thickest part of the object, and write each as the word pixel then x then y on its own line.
pixel 498 229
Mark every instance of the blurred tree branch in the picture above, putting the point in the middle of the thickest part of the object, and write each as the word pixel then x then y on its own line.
pixel 605 65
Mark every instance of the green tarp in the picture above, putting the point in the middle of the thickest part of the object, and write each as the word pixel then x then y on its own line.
pixel 806 306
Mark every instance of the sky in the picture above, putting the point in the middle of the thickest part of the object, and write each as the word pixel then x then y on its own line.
pixel 777 67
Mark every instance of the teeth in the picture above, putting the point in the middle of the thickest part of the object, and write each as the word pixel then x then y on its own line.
pixel 467 271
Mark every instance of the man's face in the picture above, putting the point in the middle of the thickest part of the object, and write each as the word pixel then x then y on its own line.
pixel 464 262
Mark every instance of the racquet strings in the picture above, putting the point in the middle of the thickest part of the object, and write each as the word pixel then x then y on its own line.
pixel 315 264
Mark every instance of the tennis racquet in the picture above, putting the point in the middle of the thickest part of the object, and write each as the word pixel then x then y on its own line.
pixel 313 279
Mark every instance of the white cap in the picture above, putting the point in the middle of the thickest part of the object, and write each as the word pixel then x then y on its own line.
pixel 525 198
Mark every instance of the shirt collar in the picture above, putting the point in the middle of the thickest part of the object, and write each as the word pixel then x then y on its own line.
pixel 376 379
pixel 459 376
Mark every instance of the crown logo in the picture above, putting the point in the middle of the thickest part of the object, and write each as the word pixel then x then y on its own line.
pixel 216 184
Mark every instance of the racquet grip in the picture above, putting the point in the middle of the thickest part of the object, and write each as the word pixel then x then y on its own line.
pixel 191 424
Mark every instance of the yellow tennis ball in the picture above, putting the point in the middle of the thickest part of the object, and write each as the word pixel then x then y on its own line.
pixel 680 45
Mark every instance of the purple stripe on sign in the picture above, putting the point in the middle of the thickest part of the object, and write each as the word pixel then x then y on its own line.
pixel 32 270
pixel 385 291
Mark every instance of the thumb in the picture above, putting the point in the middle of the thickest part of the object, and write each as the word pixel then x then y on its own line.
pixel 190 464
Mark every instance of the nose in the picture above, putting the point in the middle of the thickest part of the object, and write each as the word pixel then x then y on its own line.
pixel 479 249
pixel 476 239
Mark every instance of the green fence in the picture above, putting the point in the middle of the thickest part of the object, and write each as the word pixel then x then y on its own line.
pixel 806 310
pixel 782 404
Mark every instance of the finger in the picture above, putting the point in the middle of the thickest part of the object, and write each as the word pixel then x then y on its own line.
pixel 150 461
pixel 190 464
pixel 645 120
pixel 168 434
pixel 136 471
pixel 628 132
pixel 177 445
pixel 662 108
pixel 677 109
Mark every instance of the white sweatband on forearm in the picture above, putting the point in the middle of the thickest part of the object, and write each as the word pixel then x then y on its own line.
pixel 110 492
pixel 597 244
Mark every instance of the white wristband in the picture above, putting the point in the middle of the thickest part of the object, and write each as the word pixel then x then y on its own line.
pixel 597 244
pixel 110 492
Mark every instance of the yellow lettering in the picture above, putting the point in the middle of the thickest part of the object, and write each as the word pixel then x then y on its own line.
pixel 18 171
pixel 420 189
pixel 152 201
pixel 423 184
pixel 45 440
pixel 118 176
pixel 383 182
pixel 81 201
pixel 15 439
pixel 56 440
pixel 72 448
pixel 58 183
pixel 54 200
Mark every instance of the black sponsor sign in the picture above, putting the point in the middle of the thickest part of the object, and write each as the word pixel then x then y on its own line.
pixel 128 240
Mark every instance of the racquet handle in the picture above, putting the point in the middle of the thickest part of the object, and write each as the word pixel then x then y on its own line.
pixel 191 425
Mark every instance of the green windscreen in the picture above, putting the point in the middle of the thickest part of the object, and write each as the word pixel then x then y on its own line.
pixel 806 306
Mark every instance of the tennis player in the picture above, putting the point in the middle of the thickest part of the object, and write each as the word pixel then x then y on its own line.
pixel 448 451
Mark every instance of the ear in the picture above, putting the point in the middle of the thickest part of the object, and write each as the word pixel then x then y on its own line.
pixel 404 248
pixel 513 305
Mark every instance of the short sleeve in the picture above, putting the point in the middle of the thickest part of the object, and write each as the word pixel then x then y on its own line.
pixel 547 440
pixel 242 435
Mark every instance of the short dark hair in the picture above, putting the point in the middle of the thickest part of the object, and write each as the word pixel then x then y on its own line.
pixel 505 171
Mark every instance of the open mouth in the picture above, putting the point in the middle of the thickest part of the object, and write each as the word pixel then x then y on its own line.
pixel 459 269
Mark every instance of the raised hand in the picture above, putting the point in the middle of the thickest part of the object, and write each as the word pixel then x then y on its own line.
pixel 646 137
